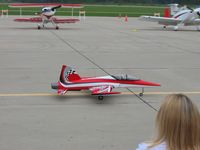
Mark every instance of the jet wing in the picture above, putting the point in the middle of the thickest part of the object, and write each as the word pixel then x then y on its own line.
pixel 102 90
pixel 34 19
pixel 66 20
pixel 161 20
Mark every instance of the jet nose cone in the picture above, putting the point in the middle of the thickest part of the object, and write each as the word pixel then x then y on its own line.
pixel 153 84
pixel 147 83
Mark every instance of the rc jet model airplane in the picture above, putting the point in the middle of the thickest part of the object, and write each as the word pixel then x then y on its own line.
pixel 47 14
pixel 180 16
pixel 99 86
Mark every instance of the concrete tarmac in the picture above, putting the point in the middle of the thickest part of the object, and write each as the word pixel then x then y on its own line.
pixel 33 117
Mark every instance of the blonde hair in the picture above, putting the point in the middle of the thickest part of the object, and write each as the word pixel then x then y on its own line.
pixel 178 124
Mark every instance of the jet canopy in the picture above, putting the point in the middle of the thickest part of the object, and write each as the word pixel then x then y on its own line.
pixel 125 77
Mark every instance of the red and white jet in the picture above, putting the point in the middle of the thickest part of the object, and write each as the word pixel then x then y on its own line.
pixel 100 86
pixel 47 14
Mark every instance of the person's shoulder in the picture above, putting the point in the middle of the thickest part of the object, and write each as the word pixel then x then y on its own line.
pixel 144 146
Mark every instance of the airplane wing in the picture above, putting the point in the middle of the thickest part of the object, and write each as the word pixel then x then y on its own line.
pixel 66 20
pixel 34 19
pixel 161 20
pixel 103 90
pixel 39 19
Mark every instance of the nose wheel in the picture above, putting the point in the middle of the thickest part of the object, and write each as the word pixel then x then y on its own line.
pixel 198 28
pixel 39 27
pixel 57 27
pixel 142 93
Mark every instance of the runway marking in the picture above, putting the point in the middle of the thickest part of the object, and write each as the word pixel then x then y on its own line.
pixel 85 94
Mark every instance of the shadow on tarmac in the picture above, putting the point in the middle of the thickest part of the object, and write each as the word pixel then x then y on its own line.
pixel 113 99
pixel 48 28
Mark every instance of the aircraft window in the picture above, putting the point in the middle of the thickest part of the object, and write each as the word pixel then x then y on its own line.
pixel 125 77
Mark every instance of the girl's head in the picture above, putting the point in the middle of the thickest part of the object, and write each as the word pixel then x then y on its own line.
pixel 178 123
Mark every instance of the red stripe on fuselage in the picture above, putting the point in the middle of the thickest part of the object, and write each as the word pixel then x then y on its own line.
pixel 134 82
pixel 180 15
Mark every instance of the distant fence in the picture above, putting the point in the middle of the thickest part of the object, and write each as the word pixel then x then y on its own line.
pixel 76 13
pixel 94 10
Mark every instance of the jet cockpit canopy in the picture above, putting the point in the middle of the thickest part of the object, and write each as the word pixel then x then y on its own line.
pixel 125 77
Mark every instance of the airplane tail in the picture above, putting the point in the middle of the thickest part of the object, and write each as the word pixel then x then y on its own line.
pixel 68 74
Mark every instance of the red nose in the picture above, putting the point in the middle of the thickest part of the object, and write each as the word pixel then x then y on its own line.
pixel 147 83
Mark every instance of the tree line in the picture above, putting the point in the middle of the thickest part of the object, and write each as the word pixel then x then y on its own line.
pixel 109 1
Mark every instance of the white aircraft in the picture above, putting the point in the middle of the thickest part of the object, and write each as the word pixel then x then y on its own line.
pixel 185 16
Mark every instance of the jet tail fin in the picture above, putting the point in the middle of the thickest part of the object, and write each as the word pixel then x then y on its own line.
pixel 68 74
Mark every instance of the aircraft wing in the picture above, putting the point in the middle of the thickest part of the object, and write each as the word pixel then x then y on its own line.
pixel 161 20
pixel 34 19
pixel 66 20
pixel 102 90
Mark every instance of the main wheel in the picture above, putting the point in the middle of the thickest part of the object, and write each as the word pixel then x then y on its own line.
pixel 100 97
pixel 141 94
pixel 39 27
pixel 198 28
pixel 57 27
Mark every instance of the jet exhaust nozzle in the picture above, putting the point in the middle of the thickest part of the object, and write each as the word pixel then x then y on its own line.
pixel 54 86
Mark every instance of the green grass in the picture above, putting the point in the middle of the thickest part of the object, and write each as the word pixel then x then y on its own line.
pixel 96 10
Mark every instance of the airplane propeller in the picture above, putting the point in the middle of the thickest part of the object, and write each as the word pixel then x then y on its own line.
pixel 198 13
pixel 56 7
pixel 192 10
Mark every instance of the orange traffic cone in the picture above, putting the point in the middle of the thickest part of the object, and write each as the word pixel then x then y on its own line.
pixel 126 18
pixel 167 12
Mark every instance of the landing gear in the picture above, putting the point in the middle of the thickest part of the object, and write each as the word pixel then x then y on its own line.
pixel 198 28
pixel 100 97
pixel 39 27
pixel 142 93
pixel 54 24
pixel 175 28
pixel 164 27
